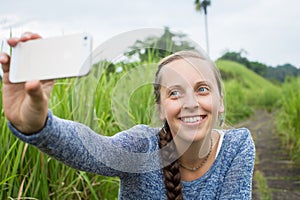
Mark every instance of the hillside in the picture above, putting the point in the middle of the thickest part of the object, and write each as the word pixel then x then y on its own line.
pixel 231 70
pixel 245 91
pixel 276 74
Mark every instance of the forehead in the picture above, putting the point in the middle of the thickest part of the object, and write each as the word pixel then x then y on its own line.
pixel 187 71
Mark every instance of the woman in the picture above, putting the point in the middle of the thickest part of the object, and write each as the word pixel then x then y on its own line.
pixel 185 159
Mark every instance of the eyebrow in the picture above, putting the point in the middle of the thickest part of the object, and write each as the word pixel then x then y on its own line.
pixel 173 86
pixel 203 83
pixel 197 84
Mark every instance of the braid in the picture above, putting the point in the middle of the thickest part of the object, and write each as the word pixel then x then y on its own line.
pixel 171 171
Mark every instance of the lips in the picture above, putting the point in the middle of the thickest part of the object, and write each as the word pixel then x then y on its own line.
pixel 193 119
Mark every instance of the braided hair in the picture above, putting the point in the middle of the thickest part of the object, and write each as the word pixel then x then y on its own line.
pixel 171 171
pixel 169 153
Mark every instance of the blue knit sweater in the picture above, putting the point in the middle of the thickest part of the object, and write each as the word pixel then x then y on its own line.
pixel 133 156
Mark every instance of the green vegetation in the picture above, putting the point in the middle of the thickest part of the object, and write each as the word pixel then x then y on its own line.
pixel 152 49
pixel 288 118
pixel 245 91
pixel 275 74
pixel 263 189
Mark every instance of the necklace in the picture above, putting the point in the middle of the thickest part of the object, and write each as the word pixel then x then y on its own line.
pixel 202 163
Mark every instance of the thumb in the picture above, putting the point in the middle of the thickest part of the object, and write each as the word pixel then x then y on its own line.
pixel 34 90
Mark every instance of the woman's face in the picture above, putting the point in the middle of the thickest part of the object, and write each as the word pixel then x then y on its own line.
pixel 190 99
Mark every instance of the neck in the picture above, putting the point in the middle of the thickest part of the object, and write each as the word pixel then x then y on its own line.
pixel 195 152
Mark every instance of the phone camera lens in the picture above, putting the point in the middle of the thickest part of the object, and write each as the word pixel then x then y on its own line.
pixel 85 37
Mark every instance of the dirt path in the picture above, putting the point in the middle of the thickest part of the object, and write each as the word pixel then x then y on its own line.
pixel 281 174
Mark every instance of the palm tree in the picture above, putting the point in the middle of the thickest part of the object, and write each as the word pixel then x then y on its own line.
pixel 199 6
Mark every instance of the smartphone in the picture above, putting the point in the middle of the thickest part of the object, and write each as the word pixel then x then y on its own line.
pixel 51 58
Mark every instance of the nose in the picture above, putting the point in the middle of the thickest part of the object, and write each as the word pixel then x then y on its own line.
pixel 190 102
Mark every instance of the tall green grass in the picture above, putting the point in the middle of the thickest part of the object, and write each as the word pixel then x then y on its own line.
pixel 288 118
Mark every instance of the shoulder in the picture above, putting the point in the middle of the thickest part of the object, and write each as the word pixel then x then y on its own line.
pixel 238 134
pixel 237 150
pixel 237 140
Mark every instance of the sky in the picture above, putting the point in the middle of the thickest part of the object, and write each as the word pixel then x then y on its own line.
pixel 267 31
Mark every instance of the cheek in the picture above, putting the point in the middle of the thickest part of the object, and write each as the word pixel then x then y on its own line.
pixel 170 108
pixel 210 104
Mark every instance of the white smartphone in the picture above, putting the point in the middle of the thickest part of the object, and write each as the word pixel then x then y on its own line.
pixel 51 58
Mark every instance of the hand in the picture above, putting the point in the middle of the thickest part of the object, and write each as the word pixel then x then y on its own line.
pixel 25 104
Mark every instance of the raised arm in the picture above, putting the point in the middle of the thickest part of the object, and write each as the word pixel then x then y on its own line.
pixel 72 143
pixel 25 104
pixel 26 107
pixel 76 145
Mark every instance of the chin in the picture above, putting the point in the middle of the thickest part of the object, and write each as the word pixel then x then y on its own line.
pixel 191 135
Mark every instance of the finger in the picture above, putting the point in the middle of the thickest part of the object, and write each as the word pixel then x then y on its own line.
pixel 34 89
pixel 39 90
pixel 29 36
pixel 13 41
pixel 4 61
pixel 24 37
pixel 48 85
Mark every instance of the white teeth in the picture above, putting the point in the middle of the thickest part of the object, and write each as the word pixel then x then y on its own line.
pixel 191 119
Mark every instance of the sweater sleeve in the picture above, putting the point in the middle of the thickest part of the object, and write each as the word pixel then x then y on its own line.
pixel 81 148
pixel 238 180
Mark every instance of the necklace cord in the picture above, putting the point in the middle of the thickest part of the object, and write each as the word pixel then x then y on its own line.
pixel 202 163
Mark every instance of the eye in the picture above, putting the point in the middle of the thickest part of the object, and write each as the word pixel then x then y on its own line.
pixel 203 90
pixel 175 94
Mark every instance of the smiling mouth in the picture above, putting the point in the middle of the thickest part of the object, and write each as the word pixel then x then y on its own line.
pixel 192 119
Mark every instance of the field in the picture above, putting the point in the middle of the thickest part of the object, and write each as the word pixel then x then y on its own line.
pixel 97 101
